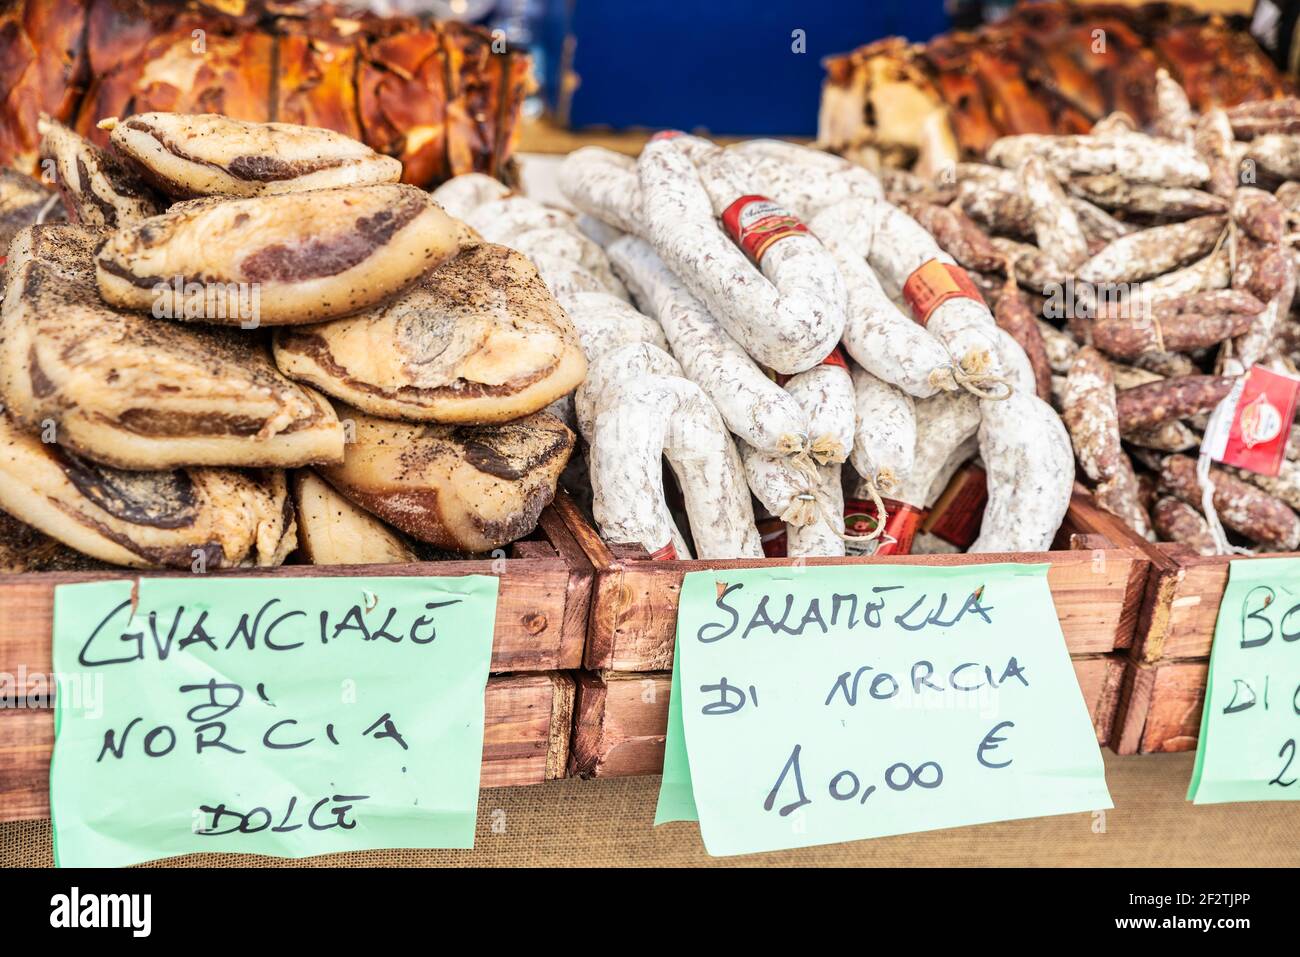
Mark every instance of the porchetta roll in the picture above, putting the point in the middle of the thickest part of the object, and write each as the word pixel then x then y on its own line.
pixel 479 339
pixel 135 392
pixel 205 154
pixel 466 488
pixel 219 518
pixel 277 260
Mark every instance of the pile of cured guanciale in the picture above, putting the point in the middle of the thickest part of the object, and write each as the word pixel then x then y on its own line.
pixel 767 349
pixel 1143 272
pixel 249 341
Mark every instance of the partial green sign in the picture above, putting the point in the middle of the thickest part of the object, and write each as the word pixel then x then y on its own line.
pixel 817 705
pixel 1250 724
pixel 281 716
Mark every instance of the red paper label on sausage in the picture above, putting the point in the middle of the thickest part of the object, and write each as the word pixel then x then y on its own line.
pixel 666 554
pixel 836 358
pixel 901 522
pixel 1258 415
pixel 754 223
pixel 958 514
pixel 932 284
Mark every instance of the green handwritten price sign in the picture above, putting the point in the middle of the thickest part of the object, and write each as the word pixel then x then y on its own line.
pixel 1251 722
pixel 281 716
pixel 815 705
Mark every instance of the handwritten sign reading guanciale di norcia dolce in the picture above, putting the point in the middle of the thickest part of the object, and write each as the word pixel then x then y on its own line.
pixel 283 716
pixel 1250 725
pixel 813 705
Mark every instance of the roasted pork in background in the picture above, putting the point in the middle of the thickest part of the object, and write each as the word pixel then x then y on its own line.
pixel 1046 68
pixel 432 94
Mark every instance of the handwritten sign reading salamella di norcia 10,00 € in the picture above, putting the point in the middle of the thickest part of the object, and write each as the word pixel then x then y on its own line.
pixel 282 716
pixel 820 704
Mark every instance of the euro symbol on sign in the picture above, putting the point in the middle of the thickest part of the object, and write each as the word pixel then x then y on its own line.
pixel 990 743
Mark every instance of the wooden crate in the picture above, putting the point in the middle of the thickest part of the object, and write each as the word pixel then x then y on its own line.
pixel 526 728
pixel 1096 584
pixel 1160 706
pixel 622 717
pixel 1181 606
pixel 542 600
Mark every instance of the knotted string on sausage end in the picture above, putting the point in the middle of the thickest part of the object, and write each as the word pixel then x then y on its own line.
pixel 1203 461
pixel 881 517
pixel 791 443
pixel 827 450
pixel 982 385
pixel 802 510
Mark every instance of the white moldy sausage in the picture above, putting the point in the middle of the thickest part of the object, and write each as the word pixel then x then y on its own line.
pixel 571 246
pixel 500 220
pixel 785 490
pixel 1174 117
pixel 1056 226
pixel 895 246
pixel 1155 251
pixel 1060 346
pixel 944 424
pixel 964 326
pixel 643 421
pixel 878 336
pixel 600 233
pixel 1015 365
pixel 1030 467
pixel 603 184
pixel 821 538
pixel 754 407
pixel 789 316
pixel 620 365
pixel 808 181
pixel 1135 156
pixel 826 394
pixel 461 194
pixel 956 459
pixel 1212 272
pixel 605 322
pixel 884 443
pixel 565 279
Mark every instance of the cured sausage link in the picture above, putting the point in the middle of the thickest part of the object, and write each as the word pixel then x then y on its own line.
pixel 754 407
pixel 640 423
pixel 789 316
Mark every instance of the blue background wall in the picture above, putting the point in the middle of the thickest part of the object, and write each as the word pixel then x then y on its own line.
pixel 724 66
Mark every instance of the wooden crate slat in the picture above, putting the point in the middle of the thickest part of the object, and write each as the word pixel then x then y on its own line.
pixel 634 604
pixel 541 620
pixel 526 730
pixel 1097 591
pixel 1160 706
pixel 622 717
pixel 1181 604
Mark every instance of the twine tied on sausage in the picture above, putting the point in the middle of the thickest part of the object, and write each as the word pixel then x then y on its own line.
pixel 1220 420
pixel 975 383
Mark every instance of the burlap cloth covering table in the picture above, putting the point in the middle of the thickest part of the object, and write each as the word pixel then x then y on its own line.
pixel 607 823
